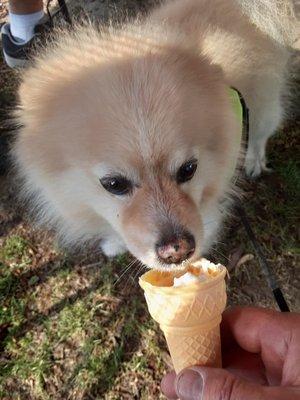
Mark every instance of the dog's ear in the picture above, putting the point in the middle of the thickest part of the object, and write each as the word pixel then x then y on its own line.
pixel 205 69
pixel 217 69
pixel 54 67
pixel 40 107
pixel 38 88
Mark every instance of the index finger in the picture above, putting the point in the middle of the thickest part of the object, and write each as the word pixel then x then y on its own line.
pixel 268 332
pixel 250 327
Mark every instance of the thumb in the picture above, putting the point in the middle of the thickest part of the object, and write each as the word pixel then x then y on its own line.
pixel 203 383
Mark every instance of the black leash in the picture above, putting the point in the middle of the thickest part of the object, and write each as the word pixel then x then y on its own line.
pixel 62 8
pixel 65 12
pixel 266 268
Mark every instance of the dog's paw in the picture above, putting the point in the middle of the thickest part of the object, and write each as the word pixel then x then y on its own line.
pixel 112 247
pixel 255 164
pixel 253 167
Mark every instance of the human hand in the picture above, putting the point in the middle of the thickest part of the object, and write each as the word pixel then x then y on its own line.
pixel 261 360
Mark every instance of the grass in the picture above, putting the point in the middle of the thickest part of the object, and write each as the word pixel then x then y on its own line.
pixel 82 348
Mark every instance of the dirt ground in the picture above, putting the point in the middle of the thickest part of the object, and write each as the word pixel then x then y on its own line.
pixel 75 326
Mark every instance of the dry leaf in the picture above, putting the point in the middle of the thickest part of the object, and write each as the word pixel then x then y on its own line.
pixel 244 259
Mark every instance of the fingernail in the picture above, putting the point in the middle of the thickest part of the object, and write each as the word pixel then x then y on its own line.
pixel 189 385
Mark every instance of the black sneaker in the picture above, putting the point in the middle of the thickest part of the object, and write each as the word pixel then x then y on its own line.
pixel 17 54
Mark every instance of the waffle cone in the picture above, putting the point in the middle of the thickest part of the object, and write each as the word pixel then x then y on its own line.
pixel 190 318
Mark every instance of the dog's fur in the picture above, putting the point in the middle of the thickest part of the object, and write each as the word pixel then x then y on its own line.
pixel 140 101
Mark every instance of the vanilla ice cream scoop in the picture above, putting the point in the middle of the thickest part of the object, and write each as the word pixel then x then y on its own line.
pixel 200 271
pixel 188 278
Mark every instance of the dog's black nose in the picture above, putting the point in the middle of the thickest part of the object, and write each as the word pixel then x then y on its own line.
pixel 176 249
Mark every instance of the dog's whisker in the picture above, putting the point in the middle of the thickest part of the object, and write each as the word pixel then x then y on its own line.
pixel 133 271
pixel 136 267
pixel 219 242
pixel 140 269
pixel 126 269
pixel 220 253
pixel 92 264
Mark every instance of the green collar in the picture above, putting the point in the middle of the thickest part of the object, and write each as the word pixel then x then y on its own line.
pixel 240 109
pixel 236 103
pixel 242 113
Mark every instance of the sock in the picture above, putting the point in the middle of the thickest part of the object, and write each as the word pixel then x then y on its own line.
pixel 22 25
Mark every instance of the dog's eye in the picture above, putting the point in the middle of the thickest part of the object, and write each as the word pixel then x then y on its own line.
pixel 118 185
pixel 186 171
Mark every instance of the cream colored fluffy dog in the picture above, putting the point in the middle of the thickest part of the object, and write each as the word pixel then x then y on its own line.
pixel 129 136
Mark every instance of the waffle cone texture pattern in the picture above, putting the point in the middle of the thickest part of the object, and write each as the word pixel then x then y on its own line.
pixel 190 318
